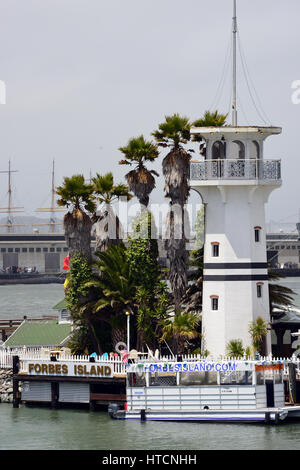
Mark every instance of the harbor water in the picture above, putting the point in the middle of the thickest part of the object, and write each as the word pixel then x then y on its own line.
pixel 41 428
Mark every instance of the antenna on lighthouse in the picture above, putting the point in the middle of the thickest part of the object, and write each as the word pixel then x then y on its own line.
pixel 234 33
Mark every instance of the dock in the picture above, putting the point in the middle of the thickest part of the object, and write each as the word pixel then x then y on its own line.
pixel 59 381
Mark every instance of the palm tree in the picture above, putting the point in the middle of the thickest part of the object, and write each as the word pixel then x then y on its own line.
pixel 209 119
pixel 77 196
pixel 140 180
pixel 116 290
pixel 173 133
pixel 180 328
pixel 235 348
pixel 280 296
pixel 258 330
pixel 107 222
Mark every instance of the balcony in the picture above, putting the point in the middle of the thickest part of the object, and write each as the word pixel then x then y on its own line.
pixel 261 171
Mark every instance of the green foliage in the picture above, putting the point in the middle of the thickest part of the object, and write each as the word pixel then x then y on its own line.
pixel 113 280
pixel 235 348
pixel 211 119
pixel 139 150
pixel 142 253
pixel 77 290
pixel 153 306
pixel 76 193
pixel 141 180
pixel 105 189
pixel 173 132
pixel 80 341
pixel 180 328
pixel 258 330
pixel 142 258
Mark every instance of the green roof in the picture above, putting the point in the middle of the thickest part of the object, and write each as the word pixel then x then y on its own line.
pixel 39 333
pixel 61 305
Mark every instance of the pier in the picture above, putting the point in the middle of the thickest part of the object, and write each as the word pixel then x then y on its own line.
pixel 61 380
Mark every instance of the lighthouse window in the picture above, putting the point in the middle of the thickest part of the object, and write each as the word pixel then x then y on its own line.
pixel 215 249
pixel 215 303
pixel 259 290
pixel 257 234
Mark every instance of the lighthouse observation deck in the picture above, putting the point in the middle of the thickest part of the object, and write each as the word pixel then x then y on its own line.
pixel 257 171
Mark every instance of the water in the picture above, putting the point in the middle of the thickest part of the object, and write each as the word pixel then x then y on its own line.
pixel 29 299
pixel 40 428
pixel 44 429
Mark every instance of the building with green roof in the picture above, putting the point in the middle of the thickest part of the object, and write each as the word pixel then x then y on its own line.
pixel 40 334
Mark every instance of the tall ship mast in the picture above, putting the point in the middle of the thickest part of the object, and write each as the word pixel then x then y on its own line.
pixel 53 209
pixel 10 209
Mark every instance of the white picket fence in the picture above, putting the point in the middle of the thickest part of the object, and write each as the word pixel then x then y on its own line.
pixel 36 355
pixel 119 367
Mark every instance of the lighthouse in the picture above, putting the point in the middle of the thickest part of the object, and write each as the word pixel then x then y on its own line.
pixel 235 182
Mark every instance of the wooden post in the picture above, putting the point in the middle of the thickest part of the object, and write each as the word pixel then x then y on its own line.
pixel 292 383
pixel 16 395
pixel 92 405
pixel 54 395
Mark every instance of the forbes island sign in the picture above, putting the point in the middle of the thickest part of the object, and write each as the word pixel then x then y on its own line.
pixel 70 369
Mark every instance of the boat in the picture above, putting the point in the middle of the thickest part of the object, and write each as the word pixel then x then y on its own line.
pixel 210 391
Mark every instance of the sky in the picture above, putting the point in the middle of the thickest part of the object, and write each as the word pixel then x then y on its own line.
pixel 84 76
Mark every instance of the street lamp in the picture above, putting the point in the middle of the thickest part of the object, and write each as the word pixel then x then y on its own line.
pixel 128 330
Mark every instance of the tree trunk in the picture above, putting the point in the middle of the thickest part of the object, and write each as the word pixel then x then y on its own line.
pixel 108 228
pixel 78 226
pixel 176 173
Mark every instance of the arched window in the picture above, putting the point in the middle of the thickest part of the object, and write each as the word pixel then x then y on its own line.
pixel 259 289
pixel 215 249
pixel 214 302
pixel 257 231
pixel 218 150
pixel 254 150
pixel 237 150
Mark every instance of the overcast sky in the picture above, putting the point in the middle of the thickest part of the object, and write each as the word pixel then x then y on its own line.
pixel 84 76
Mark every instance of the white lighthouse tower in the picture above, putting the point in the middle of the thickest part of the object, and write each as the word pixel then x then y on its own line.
pixel 235 182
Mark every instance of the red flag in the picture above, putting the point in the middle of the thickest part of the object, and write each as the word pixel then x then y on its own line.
pixel 66 263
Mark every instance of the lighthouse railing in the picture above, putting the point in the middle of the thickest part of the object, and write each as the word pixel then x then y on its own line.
pixel 236 169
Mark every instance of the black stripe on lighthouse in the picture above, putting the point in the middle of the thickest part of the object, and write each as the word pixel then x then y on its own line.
pixel 235 265
pixel 236 277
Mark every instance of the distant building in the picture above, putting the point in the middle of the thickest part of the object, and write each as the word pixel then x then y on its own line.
pixel 33 334
pixel 283 250
pixel 43 252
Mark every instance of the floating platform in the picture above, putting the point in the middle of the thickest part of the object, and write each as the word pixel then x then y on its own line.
pixel 267 415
